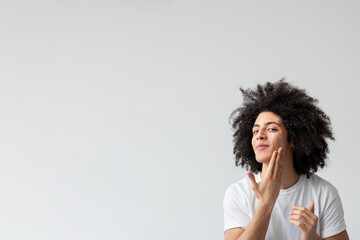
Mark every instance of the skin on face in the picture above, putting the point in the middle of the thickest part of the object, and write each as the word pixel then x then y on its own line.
pixel 269 133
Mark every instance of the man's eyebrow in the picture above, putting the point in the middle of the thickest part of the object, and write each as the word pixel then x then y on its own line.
pixel 268 123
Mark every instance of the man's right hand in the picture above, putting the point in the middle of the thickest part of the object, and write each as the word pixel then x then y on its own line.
pixel 268 189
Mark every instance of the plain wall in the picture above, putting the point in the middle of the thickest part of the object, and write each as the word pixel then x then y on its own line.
pixel 114 114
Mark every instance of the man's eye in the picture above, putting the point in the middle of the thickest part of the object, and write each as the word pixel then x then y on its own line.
pixel 255 132
pixel 272 129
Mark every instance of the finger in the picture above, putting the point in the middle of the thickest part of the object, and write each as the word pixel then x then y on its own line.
pixel 270 170
pixel 301 209
pixel 277 163
pixel 252 180
pixel 282 157
pixel 306 213
pixel 297 212
pixel 311 206
pixel 305 220
pixel 299 225
pixel 300 217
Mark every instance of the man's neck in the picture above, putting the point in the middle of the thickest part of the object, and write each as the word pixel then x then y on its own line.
pixel 289 178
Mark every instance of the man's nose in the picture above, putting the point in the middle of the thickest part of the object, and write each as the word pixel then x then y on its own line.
pixel 261 134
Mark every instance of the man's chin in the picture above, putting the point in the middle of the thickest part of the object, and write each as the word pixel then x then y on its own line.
pixel 263 160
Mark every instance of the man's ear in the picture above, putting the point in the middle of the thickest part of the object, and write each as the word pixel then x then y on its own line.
pixel 292 146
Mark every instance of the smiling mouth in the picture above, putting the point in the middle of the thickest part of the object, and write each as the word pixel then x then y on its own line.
pixel 261 147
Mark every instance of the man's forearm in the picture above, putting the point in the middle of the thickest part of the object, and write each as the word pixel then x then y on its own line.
pixel 259 224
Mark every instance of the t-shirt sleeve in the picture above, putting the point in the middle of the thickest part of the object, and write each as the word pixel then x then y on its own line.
pixel 332 221
pixel 234 210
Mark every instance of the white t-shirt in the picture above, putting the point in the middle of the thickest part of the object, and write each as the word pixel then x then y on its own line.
pixel 240 205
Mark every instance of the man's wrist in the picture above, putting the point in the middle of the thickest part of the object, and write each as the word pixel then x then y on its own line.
pixel 265 207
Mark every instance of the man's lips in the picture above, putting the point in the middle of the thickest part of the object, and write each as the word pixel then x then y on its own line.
pixel 261 146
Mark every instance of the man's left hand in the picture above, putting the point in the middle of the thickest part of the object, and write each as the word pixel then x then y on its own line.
pixel 306 220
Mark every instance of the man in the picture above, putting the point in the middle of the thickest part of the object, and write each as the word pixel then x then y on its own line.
pixel 280 135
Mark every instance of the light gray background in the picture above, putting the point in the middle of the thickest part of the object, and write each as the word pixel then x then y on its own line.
pixel 114 114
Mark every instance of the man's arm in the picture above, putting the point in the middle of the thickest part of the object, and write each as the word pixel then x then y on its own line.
pixel 266 192
pixel 306 221
pixel 257 228
pixel 341 236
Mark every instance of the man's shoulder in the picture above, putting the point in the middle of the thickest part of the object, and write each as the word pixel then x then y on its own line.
pixel 320 184
pixel 239 193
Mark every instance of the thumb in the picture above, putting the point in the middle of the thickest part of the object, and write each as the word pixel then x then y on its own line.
pixel 311 206
pixel 252 180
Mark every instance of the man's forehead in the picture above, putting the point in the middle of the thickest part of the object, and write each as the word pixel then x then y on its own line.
pixel 266 117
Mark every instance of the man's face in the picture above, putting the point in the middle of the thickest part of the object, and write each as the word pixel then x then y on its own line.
pixel 269 134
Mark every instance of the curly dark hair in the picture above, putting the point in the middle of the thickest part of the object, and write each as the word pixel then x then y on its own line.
pixel 307 125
